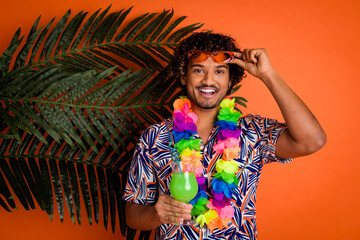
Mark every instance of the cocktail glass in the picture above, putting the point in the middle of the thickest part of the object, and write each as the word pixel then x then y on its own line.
pixel 183 185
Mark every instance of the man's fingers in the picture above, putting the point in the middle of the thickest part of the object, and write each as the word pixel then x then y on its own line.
pixel 254 61
pixel 244 55
pixel 172 220
pixel 174 203
pixel 238 55
pixel 171 210
pixel 173 215
pixel 170 216
pixel 250 55
pixel 239 62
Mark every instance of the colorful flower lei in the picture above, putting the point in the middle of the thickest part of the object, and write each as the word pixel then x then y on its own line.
pixel 213 209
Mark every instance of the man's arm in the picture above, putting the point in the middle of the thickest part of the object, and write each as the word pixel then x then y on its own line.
pixel 304 134
pixel 166 210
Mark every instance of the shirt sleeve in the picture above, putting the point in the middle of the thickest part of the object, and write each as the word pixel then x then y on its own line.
pixel 141 182
pixel 269 131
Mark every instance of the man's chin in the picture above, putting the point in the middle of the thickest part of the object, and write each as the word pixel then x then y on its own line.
pixel 207 105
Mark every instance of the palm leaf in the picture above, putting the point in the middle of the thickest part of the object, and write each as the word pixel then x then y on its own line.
pixel 75 96
pixel 239 100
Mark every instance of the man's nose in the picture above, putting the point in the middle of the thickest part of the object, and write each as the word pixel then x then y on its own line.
pixel 209 77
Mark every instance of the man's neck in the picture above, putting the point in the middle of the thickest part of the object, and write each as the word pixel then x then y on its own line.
pixel 205 124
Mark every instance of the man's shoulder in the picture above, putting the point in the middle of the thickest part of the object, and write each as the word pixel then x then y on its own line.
pixel 256 124
pixel 158 128
pixel 163 125
pixel 255 119
pixel 250 119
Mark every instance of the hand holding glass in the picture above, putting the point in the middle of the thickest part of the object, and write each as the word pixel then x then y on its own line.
pixel 183 185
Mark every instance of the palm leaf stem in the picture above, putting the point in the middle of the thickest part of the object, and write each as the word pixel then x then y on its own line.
pixel 63 159
pixel 50 59
pixel 86 106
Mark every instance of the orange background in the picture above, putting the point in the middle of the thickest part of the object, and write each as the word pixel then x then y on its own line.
pixel 315 47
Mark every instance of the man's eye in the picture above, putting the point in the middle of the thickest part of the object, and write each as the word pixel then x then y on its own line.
pixel 198 70
pixel 219 72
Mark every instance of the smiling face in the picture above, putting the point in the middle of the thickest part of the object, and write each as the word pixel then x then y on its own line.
pixel 207 83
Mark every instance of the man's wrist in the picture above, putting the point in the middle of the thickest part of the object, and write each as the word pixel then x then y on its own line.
pixel 156 218
pixel 270 77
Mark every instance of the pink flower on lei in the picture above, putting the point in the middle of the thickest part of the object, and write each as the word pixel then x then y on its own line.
pixel 226 212
pixel 227 143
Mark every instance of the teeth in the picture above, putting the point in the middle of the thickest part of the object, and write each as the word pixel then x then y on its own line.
pixel 207 90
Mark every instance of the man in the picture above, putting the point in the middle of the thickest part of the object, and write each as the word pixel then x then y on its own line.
pixel 205 66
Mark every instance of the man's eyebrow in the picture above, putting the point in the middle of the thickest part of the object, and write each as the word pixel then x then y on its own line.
pixel 222 66
pixel 196 65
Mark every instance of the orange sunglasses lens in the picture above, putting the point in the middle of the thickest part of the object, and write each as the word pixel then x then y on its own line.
pixel 222 57
pixel 218 56
pixel 198 56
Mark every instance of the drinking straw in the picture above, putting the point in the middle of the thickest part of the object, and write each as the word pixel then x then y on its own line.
pixel 175 156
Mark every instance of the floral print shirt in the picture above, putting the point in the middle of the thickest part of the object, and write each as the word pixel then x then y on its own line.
pixel 150 175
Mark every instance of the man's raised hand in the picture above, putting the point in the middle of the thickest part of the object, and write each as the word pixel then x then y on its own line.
pixel 254 61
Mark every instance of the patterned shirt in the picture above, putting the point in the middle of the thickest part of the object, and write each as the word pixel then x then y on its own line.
pixel 150 174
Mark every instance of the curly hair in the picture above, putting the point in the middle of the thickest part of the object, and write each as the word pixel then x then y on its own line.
pixel 205 41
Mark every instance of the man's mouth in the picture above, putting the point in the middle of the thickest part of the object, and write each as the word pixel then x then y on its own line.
pixel 207 91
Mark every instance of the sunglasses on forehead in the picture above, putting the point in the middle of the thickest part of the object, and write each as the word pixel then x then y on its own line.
pixel 217 56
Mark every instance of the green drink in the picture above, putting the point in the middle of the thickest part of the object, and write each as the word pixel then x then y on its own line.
pixel 183 186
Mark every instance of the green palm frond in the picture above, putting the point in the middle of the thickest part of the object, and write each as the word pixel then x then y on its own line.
pixel 91 84
pixel 75 96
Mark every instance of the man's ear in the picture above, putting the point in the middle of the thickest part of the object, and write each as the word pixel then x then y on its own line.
pixel 229 85
pixel 183 80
